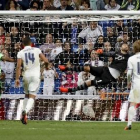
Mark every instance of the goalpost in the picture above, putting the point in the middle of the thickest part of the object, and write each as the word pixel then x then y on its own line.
pixel 106 105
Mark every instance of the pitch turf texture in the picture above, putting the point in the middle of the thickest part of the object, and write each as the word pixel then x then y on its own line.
pixel 57 130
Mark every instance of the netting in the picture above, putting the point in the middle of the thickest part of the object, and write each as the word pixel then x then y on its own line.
pixel 50 33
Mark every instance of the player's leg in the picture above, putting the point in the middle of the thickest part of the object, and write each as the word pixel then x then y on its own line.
pixel 50 90
pixel 131 112
pixel 134 98
pixel 96 71
pixel 25 85
pixel 24 115
pixel 33 89
pixel 25 101
pixel 84 86
pixel 104 77
pixel 45 91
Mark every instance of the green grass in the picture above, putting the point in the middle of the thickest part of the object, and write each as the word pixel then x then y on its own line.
pixel 57 130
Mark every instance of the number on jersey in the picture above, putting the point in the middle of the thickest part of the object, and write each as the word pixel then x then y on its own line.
pixel 138 68
pixel 29 57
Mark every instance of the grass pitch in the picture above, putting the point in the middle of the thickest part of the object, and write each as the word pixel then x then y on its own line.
pixel 58 130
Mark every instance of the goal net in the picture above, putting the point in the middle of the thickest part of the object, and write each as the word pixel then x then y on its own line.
pixel 58 32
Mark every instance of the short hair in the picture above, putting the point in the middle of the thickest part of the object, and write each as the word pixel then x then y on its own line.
pixel 66 43
pixel 26 41
pixel 110 1
pixel 32 3
pixel 85 1
pixel 136 46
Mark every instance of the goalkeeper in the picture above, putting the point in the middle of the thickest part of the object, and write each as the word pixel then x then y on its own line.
pixel 2 76
pixel 103 75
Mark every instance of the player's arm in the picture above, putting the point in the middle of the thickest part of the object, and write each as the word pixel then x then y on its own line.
pixel 42 56
pixel 5 58
pixel 129 73
pixel 56 74
pixel 18 72
pixel 42 70
pixel 42 73
pixel 107 54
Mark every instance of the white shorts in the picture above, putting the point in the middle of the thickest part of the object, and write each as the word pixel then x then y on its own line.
pixel 48 90
pixel 31 84
pixel 134 95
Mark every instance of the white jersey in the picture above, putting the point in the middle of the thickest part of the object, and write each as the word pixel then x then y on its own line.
pixel 31 62
pixel 134 67
pixel 91 35
pixel 49 76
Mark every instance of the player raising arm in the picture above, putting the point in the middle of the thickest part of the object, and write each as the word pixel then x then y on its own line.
pixel 133 82
pixel 30 58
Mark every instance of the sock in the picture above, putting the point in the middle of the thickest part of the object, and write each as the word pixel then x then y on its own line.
pixel 76 68
pixel 25 103
pixel 131 113
pixel 29 104
pixel 81 87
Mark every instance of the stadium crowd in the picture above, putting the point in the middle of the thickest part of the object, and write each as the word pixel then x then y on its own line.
pixel 67 43
pixel 69 4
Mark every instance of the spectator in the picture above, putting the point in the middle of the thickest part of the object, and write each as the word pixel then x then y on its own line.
pixel 120 28
pixel 69 79
pixel 31 30
pixel 47 5
pixel 130 5
pixel 16 48
pixel 85 5
pixel 64 5
pixel 91 33
pixel 112 5
pixel 99 43
pixel 88 49
pixel 15 35
pixel 40 3
pixel 48 46
pixel 66 56
pixel 56 3
pixel 111 37
pixel 1 48
pixel 136 30
pixel 97 4
pixel 49 74
pixel 34 5
pixel 82 77
pixel 8 69
pixel 47 28
pixel 57 50
pixel 64 31
pixel 82 54
pixel 2 35
pixel 74 4
pixel 12 5
pixel 107 48
pixel 24 4
pixel 94 60
pixel 8 43
pixel 118 1
pixel 123 40
pixel 75 30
